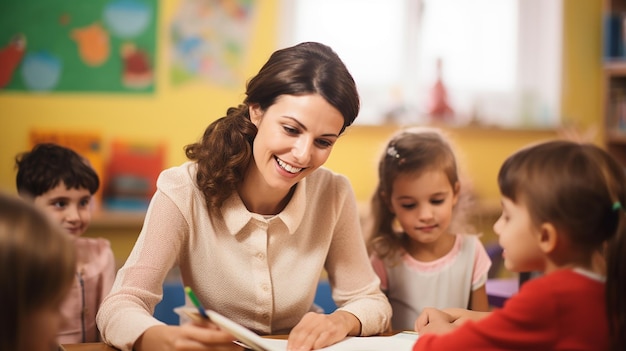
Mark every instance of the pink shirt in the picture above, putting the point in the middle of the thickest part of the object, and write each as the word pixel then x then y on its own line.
pixel 94 279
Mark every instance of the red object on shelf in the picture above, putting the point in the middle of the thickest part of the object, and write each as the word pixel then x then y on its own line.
pixel 439 109
pixel 134 163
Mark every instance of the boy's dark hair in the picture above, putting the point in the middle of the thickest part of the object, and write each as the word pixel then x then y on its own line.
pixel 47 164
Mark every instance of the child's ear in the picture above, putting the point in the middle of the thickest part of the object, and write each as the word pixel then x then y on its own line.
pixel 548 237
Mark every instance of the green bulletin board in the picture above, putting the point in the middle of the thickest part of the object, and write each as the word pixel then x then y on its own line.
pixel 78 45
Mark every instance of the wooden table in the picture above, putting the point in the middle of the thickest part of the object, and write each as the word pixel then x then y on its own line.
pixel 95 346
pixel 99 346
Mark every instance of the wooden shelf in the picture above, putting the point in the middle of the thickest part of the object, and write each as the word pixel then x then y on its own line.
pixel 615 67
pixel 616 137
pixel 117 219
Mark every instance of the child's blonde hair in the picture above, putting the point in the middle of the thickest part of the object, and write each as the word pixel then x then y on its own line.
pixel 37 263
pixel 411 151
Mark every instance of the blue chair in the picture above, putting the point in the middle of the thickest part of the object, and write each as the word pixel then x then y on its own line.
pixel 173 296
pixel 324 297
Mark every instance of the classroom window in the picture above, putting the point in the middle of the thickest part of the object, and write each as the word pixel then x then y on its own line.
pixel 500 58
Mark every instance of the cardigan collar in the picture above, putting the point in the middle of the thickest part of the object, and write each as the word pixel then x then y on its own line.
pixel 237 216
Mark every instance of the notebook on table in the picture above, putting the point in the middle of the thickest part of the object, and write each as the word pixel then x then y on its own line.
pixel 399 342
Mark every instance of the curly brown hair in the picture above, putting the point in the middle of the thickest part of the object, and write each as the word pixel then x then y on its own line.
pixel 225 150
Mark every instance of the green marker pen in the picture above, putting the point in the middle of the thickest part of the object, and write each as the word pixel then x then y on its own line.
pixel 196 302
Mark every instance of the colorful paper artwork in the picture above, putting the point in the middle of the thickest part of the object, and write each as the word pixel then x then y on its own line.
pixel 86 46
pixel 210 40
pixel 93 42
pixel 10 57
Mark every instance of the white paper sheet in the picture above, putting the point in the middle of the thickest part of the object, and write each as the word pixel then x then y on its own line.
pixel 400 342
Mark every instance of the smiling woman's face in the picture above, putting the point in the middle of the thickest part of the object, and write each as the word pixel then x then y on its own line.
pixel 295 137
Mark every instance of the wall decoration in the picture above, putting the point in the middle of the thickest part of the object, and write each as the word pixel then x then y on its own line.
pixel 78 46
pixel 210 40
pixel 10 57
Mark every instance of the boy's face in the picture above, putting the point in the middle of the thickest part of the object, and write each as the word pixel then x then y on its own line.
pixel 71 208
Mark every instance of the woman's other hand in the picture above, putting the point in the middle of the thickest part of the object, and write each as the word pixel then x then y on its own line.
pixel 193 336
pixel 316 330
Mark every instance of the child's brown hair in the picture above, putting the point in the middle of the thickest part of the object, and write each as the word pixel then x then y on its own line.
pixel 46 165
pixel 581 190
pixel 411 151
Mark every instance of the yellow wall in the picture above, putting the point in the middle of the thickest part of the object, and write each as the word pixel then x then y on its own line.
pixel 582 100
pixel 179 115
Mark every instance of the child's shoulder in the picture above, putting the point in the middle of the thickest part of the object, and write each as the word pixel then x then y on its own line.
pixel 573 276
pixel 565 282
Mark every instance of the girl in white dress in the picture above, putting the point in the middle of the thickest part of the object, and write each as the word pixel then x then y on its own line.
pixel 420 261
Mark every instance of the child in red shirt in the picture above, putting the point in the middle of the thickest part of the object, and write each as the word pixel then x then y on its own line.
pixel 561 202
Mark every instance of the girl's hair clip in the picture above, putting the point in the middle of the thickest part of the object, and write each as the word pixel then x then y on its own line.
pixel 617 206
pixel 391 151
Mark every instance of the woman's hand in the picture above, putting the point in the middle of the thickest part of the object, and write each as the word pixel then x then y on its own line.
pixel 316 330
pixel 202 335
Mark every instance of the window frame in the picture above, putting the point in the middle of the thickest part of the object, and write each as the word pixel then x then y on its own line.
pixel 532 102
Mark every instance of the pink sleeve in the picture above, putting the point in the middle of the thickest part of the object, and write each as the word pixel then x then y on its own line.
pixel 482 263
pixel 108 273
pixel 379 268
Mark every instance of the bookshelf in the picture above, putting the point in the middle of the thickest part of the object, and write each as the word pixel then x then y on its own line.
pixel 614 69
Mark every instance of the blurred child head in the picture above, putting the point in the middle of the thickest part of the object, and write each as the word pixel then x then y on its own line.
pixel 418 186
pixel 60 182
pixel 36 272
pixel 568 195
pixel 563 203
pixel 616 285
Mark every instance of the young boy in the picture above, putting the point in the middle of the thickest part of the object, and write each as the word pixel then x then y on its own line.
pixel 61 183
